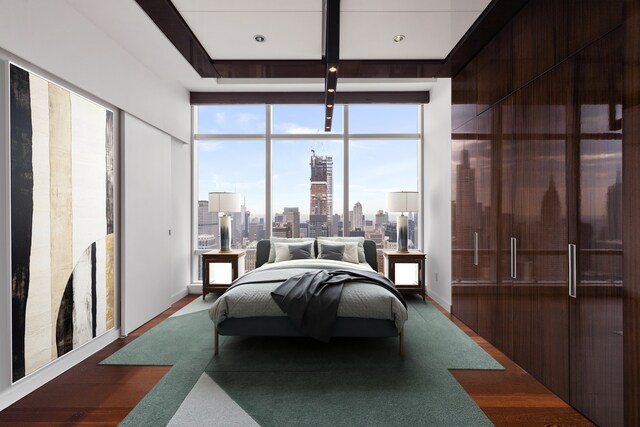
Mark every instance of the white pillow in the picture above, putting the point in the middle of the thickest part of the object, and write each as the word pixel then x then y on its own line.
pixel 351 252
pixel 360 240
pixel 273 240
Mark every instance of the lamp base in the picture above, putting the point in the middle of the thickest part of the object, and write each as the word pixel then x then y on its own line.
pixel 225 233
pixel 403 232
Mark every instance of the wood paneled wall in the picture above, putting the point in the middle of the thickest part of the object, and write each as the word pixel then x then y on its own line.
pixel 543 35
pixel 544 98
pixel 631 212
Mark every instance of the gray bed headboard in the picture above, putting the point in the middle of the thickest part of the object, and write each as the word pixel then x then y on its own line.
pixel 370 253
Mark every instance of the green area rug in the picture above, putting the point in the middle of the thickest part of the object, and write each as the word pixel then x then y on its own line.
pixel 299 381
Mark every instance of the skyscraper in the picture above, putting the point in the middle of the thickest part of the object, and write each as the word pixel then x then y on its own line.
pixel 321 198
pixel 208 231
pixel 467 214
pixel 292 216
pixel 207 221
pixel 614 209
pixel 358 218
pixel 382 218
pixel 551 237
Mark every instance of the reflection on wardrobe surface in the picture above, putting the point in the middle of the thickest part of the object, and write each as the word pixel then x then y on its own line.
pixel 537 209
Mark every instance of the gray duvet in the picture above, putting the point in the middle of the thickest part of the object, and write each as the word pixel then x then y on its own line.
pixel 250 296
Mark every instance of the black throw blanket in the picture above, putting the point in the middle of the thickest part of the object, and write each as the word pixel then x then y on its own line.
pixel 311 299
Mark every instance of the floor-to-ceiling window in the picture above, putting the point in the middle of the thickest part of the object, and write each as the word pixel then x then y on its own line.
pixel 296 180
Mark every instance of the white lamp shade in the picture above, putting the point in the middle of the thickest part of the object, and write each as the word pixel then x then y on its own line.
pixel 224 202
pixel 402 201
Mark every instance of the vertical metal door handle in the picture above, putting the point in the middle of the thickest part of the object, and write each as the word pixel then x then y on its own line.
pixel 572 270
pixel 570 264
pixel 475 248
pixel 514 254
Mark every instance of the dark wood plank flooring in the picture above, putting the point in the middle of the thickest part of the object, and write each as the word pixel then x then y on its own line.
pixel 90 394
pixel 93 395
pixel 513 397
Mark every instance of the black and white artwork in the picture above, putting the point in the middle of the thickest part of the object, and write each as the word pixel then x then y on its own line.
pixel 62 212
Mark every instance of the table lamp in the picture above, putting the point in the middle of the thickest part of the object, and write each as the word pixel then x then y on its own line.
pixel 224 202
pixel 402 201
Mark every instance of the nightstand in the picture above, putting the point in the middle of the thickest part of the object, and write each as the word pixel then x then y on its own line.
pixel 393 258
pixel 234 258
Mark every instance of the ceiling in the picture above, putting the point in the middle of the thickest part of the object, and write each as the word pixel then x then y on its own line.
pixel 294 29
pixel 209 46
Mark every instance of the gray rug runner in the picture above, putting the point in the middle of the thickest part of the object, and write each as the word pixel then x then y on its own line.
pixel 299 381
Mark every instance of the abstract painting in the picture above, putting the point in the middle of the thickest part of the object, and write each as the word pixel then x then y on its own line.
pixel 62 232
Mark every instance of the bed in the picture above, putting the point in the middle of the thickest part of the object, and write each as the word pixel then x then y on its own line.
pixel 365 309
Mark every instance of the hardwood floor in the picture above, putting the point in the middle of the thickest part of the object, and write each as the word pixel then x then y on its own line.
pixel 513 397
pixel 93 395
pixel 90 394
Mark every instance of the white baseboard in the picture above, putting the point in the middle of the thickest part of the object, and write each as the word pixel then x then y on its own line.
pixel 45 374
pixel 441 301
pixel 179 295
pixel 195 288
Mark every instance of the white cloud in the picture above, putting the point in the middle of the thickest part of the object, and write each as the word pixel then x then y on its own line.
pixel 209 146
pixel 293 128
pixel 221 118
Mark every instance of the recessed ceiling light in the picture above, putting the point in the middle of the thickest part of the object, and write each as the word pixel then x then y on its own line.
pixel 333 69
pixel 259 38
pixel 398 38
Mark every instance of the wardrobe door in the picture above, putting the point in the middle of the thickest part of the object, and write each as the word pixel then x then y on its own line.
pixel 146 220
pixel 465 223
pixel 492 323
pixel 539 236
pixel 596 310
pixel 504 170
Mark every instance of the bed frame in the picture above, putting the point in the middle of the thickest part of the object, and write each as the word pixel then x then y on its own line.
pixel 282 326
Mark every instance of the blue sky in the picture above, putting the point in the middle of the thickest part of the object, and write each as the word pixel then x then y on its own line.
pixel 376 166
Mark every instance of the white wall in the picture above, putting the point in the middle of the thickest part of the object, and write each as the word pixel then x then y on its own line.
pixel 51 38
pixel 437 192
pixel 181 218
pixel 5 277
pixel 57 38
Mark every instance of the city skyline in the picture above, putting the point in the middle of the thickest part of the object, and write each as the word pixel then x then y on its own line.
pixel 246 229
pixel 376 166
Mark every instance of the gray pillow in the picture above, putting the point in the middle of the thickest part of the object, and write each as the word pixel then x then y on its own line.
pixel 360 240
pixel 333 252
pixel 300 251
pixel 272 249
pixel 284 251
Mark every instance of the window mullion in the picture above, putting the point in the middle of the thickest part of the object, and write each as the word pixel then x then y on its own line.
pixel 268 172
pixel 346 227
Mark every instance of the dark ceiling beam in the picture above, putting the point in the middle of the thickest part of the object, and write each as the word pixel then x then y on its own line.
pixel 332 58
pixel 167 18
pixel 287 69
pixel 223 98
pixel 317 69
pixel 391 68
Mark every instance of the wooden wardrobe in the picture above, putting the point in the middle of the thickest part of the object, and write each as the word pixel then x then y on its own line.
pixel 537 199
